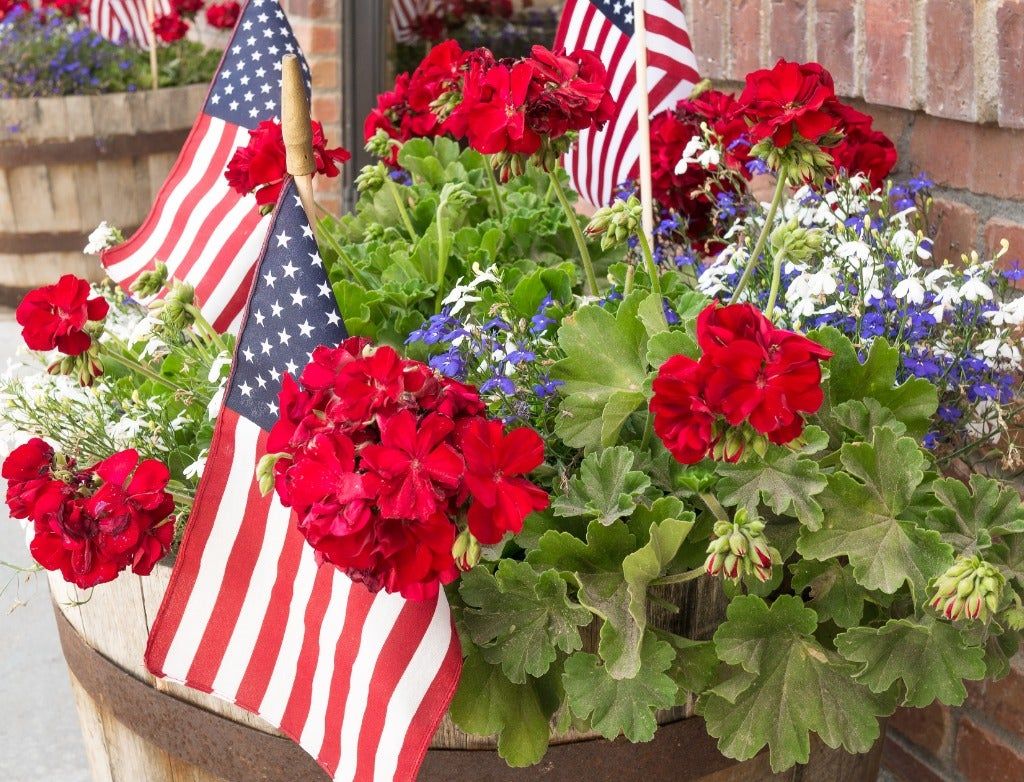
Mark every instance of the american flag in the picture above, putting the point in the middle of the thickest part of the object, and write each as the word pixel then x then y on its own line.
pixel 206 233
pixel 359 680
pixel 605 158
pixel 125 20
pixel 406 14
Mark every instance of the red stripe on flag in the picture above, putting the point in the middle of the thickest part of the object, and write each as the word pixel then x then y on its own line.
pixel 197 533
pixel 236 302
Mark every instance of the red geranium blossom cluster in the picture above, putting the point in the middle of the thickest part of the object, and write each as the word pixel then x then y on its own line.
pixel 383 458
pixel 749 371
pixel 55 316
pixel 497 106
pixel 91 524
pixel 260 166
pixel 437 20
pixel 174 26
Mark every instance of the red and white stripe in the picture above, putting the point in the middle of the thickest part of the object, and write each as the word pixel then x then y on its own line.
pixel 405 16
pixel 206 233
pixel 359 680
pixel 605 158
pixel 128 20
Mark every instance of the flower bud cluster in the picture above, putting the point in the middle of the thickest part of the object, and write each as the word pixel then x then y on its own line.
pixel 971 588
pixel 150 282
pixel 616 223
pixel 740 548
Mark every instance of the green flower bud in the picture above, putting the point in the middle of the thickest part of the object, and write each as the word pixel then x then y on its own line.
pixel 265 471
pixel 371 178
pixel 443 105
pixel 797 243
pixel 616 222
pixel 466 550
pixel 456 196
pixel 970 588
pixel 508 165
pixel 177 312
pixel 381 144
pixel 150 283
pixel 85 367
pixel 740 548
pixel 801 158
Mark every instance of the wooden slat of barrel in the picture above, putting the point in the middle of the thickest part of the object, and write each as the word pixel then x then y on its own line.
pixel 68 163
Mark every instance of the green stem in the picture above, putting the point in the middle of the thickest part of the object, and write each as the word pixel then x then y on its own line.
pixel 498 206
pixel 679 578
pixel 766 229
pixel 392 187
pixel 714 506
pixel 581 242
pixel 627 286
pixel 773 294
pixel 124 357
pixel 208 331
pixel 354 273
pixel 443 251
pixel 652 272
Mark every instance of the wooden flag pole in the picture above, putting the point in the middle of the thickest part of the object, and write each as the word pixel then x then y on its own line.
pixel 297 133
pixel 154 68
pixel 643 118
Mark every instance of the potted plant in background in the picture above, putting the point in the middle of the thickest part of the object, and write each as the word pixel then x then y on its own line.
pixel 645 492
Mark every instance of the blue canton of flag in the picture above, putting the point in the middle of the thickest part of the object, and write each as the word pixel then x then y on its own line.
pixel 619 13
pixel 292 310
pixel 248 84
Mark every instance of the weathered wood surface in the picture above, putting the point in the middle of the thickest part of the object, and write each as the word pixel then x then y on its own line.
pixel 68 163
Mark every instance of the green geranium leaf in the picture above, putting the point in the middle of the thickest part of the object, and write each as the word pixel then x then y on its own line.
pixel 487 703
pixel 520 618
pixel 621 706
pixel 863 416
pixel 913 402
pixel 602 552
pixel 604 357
pixel 694 666
pixel 835 593
pixel 930 658
pixel 663 346
pixel 786 482
pixel 971 517
pixel 606 488
pixel 864 517
pixel 788 686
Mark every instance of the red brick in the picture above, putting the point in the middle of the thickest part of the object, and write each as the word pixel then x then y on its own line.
pixel 928 728
pixel 904 766
pixel 834 30
pixel 981 757
pixel 788 32
pixel 1003 701
pixel 888 34
pixel 943 149
pixel 707 31
pixel 1010 28
pixel 744 37
pixel 326 109
pixel 996 230
pixel 326 73
pixel 996 170
pixel 949 40
pixel 955 228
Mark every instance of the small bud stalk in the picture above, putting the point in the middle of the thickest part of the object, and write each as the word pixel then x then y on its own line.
pixel 970 589
pixel 740 548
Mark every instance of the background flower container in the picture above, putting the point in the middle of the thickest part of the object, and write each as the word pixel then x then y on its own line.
pixel 66 163
pixel 138 727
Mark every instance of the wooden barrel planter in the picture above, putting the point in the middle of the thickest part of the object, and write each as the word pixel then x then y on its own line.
pixel 137 727
pixel 68 163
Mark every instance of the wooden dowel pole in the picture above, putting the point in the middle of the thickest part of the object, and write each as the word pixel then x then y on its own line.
pixel 154 68
pixel 643 118
pixel 298 134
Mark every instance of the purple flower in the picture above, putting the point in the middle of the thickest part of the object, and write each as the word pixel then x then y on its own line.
pixel 545 386
pixel 1015 273
pixel 499 383
pixel 450 364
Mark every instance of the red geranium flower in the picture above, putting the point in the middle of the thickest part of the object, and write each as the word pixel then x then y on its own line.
pixel 567 92
pixel 28 472
pixel 170 27
pixel 186 8
pixel 223 16
pixel 54 316
pixel 68 8
pixel 261 165
pixel 788 99
pixel 863 150
pixel 495 109
pixel 495 464
pixel 682 419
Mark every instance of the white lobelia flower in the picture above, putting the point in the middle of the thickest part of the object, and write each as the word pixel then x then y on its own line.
pixel 975 288
pixel 999 350
pixel 855 251
pixel 698 152
pixel 911 289
pixel 1009 313
pixel 934 279
pixel 216 372
pixel 103 236
pixel 195 470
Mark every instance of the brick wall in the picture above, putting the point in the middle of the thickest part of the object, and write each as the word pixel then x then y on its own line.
pixel 317 25
pixel 945 79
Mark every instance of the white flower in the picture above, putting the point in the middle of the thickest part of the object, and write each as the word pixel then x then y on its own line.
pixel 1009 313
pixel 125 429
pixel 936 277
pixel 195 470
pixel 1000 351
pixel 216 372
pixel 103 236
pixel 855 251
pixel 911 289
pixel 713 280
pixel 216 402
pixel 698 152
pixel 975 289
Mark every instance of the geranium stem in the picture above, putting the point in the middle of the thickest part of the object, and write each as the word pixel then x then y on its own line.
pixel 679 578
pixel 499 208
pixel 713 505
pixel 581 241
pixel 773 294
pixel 652 272
pixel 755 256
pixel 443 250
pixel 397 196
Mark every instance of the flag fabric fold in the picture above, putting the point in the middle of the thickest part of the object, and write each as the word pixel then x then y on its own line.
pixel 360 680
pixel 125 20
pixel 605 158
pixel 208 234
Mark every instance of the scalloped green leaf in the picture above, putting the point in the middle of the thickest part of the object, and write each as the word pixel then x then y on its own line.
pixel 606 488
pixel 781 479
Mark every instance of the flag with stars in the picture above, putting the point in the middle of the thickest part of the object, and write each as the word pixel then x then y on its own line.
pixel 359 680
pixel 607 157
pixel 206 233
